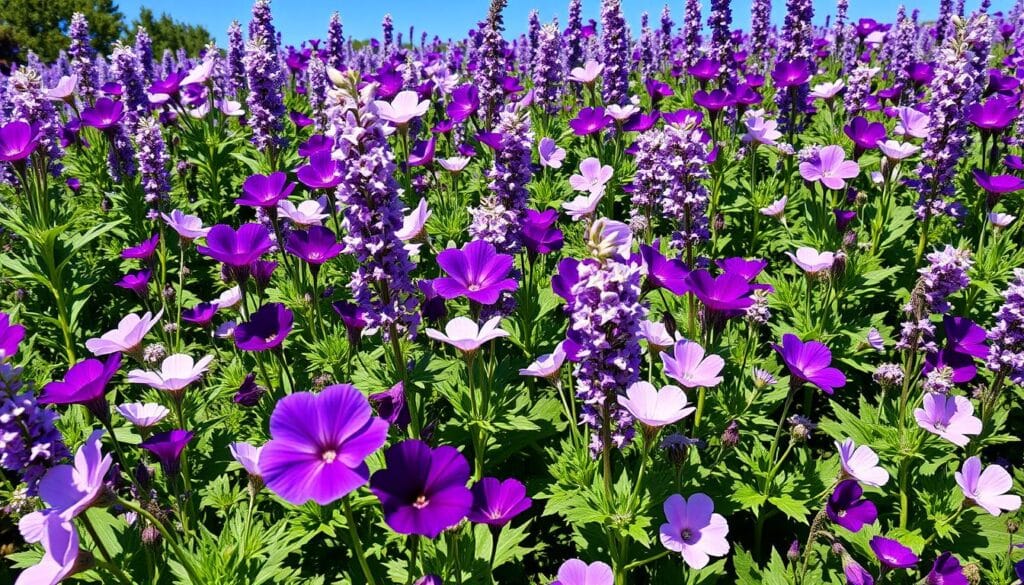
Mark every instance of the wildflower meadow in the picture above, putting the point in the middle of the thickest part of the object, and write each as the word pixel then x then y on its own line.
pixel 592 305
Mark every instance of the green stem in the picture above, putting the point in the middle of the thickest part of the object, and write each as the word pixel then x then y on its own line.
pixel 107 562
pixel 356 543
pixel 648 560
pixel 166 534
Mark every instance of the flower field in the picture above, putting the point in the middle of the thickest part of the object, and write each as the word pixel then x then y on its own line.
pixel 590 305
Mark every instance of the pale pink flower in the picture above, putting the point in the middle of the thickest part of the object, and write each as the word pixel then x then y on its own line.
pixel 1001 220
pixel 657 336
pixel 454 164
pixel 861 463
pixel 547 365
pixel 827 90
pixel 248 456
pixel 229 299
pixel 64 89
pixel 777 209
pixel 413 224
pixel 592 177
pixel 230 108
pixel 199 74
pixel 466 335
pixel 950 417
pixel 127 338
pixel 584 205
pixel 987 488
pixel 811 260
pixel 586 74
pixel 143 415
pixel 911 123
pixel 188 227
pixel 403 108
pixel 176 373
pixel 897 150
pixel 306 214
pixel 621 113
pixel 689 366
pixel 653 407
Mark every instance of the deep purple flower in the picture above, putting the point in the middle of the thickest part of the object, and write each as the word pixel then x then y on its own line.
pixel 539 232
pixel 167 448
pixel 811 362
pixel 465 102
pixel 791 73
pixel 143 251
pixel 137 282
pixel 847 508
pixel 353 318
pixel 748 269
pixel 10 336
pixel 236 248
pixel 84 383
pixel 946 570
pixel 843 219
pixel 391 405
pixel 994 115
pixel 727 295
pixel 422 153
pixel 476 272
pixel 315 143
pixel 319 444
pixel 892 554
pixel 17 141
pixel 663 272
pixel 265 190
pixel 314 246
pixel 714 101
pixel 249 393
pixel 105 114
pixel 590 120
pixel 865 135
pixel 965 341
pixel 322 172
pixel 497 502
pixel 201 314
pixel 997 185
pixel 705 69
pixel 422 490
pixel 265 329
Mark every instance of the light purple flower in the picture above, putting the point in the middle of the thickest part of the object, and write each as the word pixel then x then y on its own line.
pixel 551 155
pixel 861 463
pixel 454 164
pixel 694 530
pixel 912 123
pixel 305 214
pixel 987 488
pixel 414 223
pixel 593 177
pixel 830 169
pixel 1001 220
pixel 586 74
pixel 60 548
pixel 403 108
pixel 188 227
pixel 548 365
pixel 127 337
pixel 653 407
pixel 466 335
pixel 142 415
pixel 777 209
pixel 584 205
pixel 811 260
pixel 176 373
pixel 688 365
pixel 72 489
pixel 897 150
pixel 576 572
pixel 247 456
pixel 950 417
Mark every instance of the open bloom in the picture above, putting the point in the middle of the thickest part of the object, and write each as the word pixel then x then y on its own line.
pixel 305 214
pixel 811 362
pixel 589 121
pixel 950 417
pixel 17 141
pixel 655 408
pixel 403 108
pixel 248 457
pixel 777 209
pixel 827 90
pixel 576 572
pixel 167 447
pixel 584 205
pixel 497 502
pixel 465 334
pixel 551 155
pixel 72 489
pixel 176 373
pixel 912 123
pixel 688 365
pixel 141 415
pixel 894 150
pixel 265 190
pixel 988 489
pixel 724 296
pixel 266 328
pixel 760 129
pixel 593 177
pixel 539 232
pixel 322 172
pixel 586 74
pixel 422 490
pixel 319 443
pixel 236 248
pixel 812 261
pixel 413 224
pixel 892 553
pixel 847 507
pixel 831 169
pixel 548 365
pixel 84 383
pixel 313 246
pixel 188 227
pixel 60 548
pixel 126 338
pixel 861 463
pixel 10 336
pixel 476 271
pixel 694 530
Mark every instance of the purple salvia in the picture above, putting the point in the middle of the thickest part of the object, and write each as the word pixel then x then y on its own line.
pixel 387 26
pixel 684 197
pixel 798 30
pixel 235 60
pixel 944 276
pixel 532 40
pixel 127 71
pixel 646 47
pixel 858 87
pixel 648 181
pixel 499 218
pixel 262 26
pixel 665 38
pixel 167 64
pixel 82 56
pixel 691 32
pixel 29 103
pixel 942 23
pixel 316 90
pixel 839 27
pixel 266 80
pixel 144 53
pixel 491 63
pixel 549 72
pixel 121 154
pixel 369 194
pixel 335 42
pixel 902 50
pixel 151 152
pixel 614 53
pixel 760 27
pixel 960 6
pixel 720 22
pixel 574 36
pixel 30 443
pixel 1006 348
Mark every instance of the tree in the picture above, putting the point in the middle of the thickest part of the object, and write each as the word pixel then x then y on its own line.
pixel 168 33
pixel 41 26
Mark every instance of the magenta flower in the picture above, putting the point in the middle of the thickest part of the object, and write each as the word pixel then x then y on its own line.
pixel 811 362
pixel 128 336
pixel 987 488
pixel 466 335
pixel 10 336
pixel 724 296
pixel 141 415
pixel 465 102
pixel 892 554
pixel 689 366
pixel 791 73
pixel 322 172
pixel 663 272
pixel 313 246
pixel 865 135
pixel 997 184
pixel 202 314
pixel 266 328
pixel 694 530
pixel 422 153
pixel 476 271
pixel 656 408
pixel 237 249
pixel 497 502
pixel 589 121
pixel 847 508
pixel 576 572
pixel 137 282
pixel 319 444
pixel 167 447
pixel 144 251
pixel 72 489
pixel 265 190
pixel 104 114
pixel 946 570
pixel 17 141
pixel 950 417
pixel 551 155
pixel 812 261
pixel 84 383
pixel 830 169
pixel 861 463
pixel 994 115
pixel 422 490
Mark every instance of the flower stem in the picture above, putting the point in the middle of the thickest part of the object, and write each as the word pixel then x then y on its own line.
pixel 356 543
pixel 166 534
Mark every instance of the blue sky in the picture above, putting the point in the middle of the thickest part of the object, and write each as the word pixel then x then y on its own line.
pixel 303 19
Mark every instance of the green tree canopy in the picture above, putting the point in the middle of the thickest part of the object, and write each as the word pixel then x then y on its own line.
pixel 168 33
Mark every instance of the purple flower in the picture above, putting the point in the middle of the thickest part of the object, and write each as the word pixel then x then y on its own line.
pixel 84 383
pixel 946 570
pixel 105 114
pixel 550 154
pixel 663 272
pixel 589 121
pixel 497 502
pixel 865 135
pixel 861 463
pixel 322 172
pixel 892 554
pixel 576 572
pixel 950 417
pixel 422 490
pixel 422 153
pixel 465 102
pixel 476 271
pixel 248 457
pixel 167 448
pixel 249 393
pixel 319 444
pixel 60 547
pixel 812 261
pixel 17 141
pixel 237 249
pixel 988 489
pixel 847 508
pixel 810 361
pixel 201 314
pixel 141 415
pixel 71 489
pixel 188 227
pixel 10 336
pixel 830 168
pixel 724 296
pixel 653 407
pixel 788 74
pixel 266 328
pixel 539 234
pixel 1007 335
pixel 694 530
pixel 265 190
pixel 313 246
pixel 391 405
pixel 137 282
pixel 994 115
pixel 143 251
pixel 690 367
pixel 997 184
